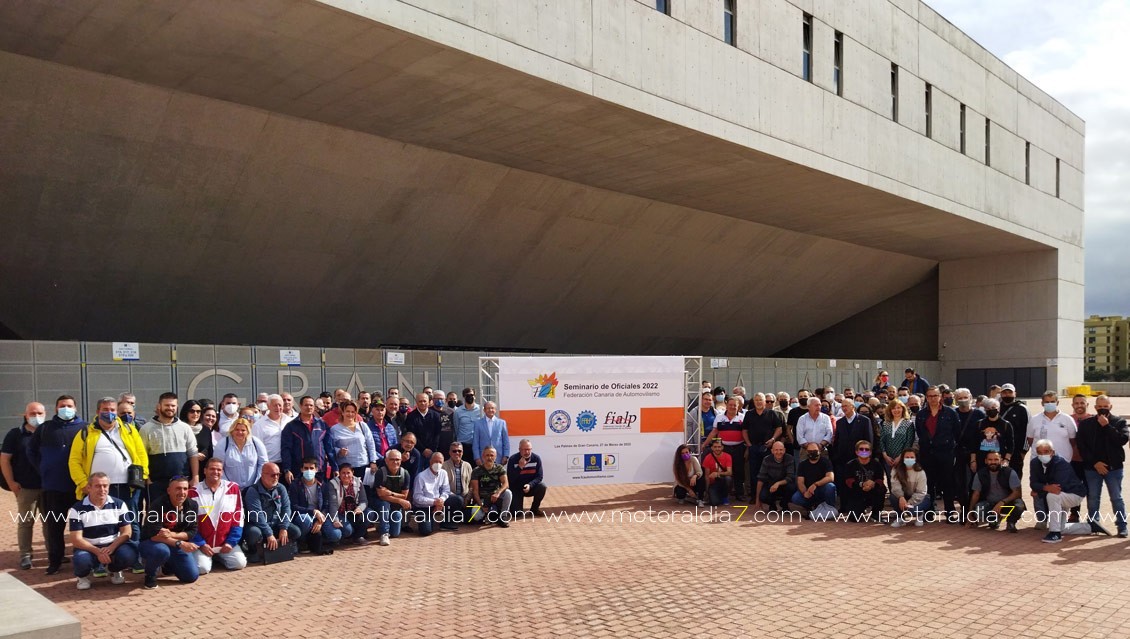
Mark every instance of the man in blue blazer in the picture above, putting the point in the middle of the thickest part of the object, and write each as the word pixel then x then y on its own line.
pixel 490 430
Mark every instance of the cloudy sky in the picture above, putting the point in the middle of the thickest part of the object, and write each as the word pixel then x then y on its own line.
pixel 1077 51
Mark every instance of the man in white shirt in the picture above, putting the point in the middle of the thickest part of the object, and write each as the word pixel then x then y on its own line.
pixel 431 496
pixel 268 428
pixel 1060 429
pixel 814 426
pixel 229 412
pixel 288 407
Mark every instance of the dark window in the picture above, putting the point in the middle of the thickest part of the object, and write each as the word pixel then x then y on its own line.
pixel 838 63
pixel 729 22
pixel 894 92
pixel 988 145
pixel 961 125
pixel 806 50
pixel 1028 163
pixel 663 6
pixel 929 106
pixel 1057 177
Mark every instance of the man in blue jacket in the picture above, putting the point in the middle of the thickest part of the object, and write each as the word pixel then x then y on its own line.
pixel 937 426
pixel 50 451
pixel 269 515
pixel 302 437
pixel 1056 489
pixel 524 474
pixel 915 383
pixel 465 416
pixel 490 431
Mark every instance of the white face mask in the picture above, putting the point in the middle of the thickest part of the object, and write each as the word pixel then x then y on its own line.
pixel 231 409
pixel 829 396
pixel 36 420
pixel 1044 459
pixel 262 406
pixel 436 467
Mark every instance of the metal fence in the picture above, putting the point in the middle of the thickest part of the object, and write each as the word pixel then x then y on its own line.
pixel 41 371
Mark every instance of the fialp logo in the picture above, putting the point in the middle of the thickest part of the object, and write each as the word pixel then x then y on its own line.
pixel 544 386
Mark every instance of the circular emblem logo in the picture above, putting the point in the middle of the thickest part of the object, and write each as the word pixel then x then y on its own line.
pixel 559 421
pixel 586 421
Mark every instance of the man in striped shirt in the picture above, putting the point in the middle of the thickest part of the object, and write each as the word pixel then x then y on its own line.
pixel 100 532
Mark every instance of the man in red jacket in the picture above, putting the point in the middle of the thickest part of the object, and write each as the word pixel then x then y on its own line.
pixel 220 520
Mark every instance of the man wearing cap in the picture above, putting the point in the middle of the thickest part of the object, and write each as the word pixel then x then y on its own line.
pixel 1016 413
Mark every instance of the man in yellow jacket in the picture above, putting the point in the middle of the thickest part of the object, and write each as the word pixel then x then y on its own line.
pixel 110 445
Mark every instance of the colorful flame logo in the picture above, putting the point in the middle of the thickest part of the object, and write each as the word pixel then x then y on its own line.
pixel 545 386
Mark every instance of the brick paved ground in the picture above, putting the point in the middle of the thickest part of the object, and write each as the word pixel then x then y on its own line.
pixel 654 579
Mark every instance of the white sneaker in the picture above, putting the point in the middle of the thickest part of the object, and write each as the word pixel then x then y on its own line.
pixel 701 503
pixel 897 523
pixel 84 583
pixel 919 522
pixel 384 539
pixel 117 578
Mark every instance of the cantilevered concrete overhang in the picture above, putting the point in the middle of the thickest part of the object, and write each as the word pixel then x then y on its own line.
pixel 303 153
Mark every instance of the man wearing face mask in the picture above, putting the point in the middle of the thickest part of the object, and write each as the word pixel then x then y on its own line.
pixel 719 400
pixel 913 404
pixel 261 402
pixel 1060 429
pixel 452 400
pixel 1102 444
pixel 446 422
pixel 797 407
pixel 947 395
pixel 22 477
pixel 524 475
pixel 992 435
pixel 50 451
pixel 229 412
pixel 969 419
pixel 1056 489
pixel 850 430
pixel 308 500
pixel 1016 413
pixel 465 415
pixel 110 446
pixel 937 427
pixel 433 500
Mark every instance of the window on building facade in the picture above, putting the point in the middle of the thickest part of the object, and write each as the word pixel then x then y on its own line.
pixel 806 48
pixel 894 92
pixel 729 22
pixel 838 63
pixel 663 6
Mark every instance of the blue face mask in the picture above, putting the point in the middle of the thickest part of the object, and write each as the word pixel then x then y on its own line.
pixel 1050 407
pixel 108 417
pixel 863 454
pixel 909 462
pixel 127 418
pixel 858 404
pixel 309 475
pixel 794 405
pixel 66 413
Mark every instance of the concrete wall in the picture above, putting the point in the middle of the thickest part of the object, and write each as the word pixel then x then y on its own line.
pixel 41 371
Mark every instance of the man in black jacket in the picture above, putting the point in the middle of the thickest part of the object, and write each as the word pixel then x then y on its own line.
pixel 1101 440
pixel 937 428
pixel 1016 413
pixel 167 530
pixel 425 423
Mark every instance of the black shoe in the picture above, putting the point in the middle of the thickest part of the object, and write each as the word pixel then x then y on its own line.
pixel 1096 529
pixel 1011 527
pixel 66 560
pixel 536 512
pixel 52 570
pixel 448 527
pixel 150 582
pixel 503 524
pixel 1124 533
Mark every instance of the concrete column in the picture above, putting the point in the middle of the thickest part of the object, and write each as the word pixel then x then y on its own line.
pixel 1013 310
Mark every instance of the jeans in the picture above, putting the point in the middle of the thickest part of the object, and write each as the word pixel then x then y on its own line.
pixel 123 557
pixel 500 505
pixel 426 519
pixel 719 491
pixel 29 505
pixel 914 509
pixel 774 499
pixel 737 455
pixel 329 535
pixel 131 497
pixel 1113 482
pixel 389 519
pixel 234 560
pixel 823 494
pixel 158 555
pixel 358 523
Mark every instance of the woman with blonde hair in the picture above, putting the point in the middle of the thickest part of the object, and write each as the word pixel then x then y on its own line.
pixel 896 432
pixel 244 455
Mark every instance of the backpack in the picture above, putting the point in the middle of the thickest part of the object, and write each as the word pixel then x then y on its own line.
pixel 824 512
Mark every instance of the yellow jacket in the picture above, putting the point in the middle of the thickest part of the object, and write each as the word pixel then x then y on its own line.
pixel 82 452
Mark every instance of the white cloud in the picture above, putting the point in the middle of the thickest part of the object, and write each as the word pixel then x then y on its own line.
pixel 1076 51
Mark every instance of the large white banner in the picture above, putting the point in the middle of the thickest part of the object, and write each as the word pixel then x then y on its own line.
pixel 595 420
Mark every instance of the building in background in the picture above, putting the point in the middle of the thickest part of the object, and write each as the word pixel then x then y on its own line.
pixel 793 179
pixel 1106 345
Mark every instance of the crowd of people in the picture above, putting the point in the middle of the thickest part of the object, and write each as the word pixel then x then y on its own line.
pixel 201 484
pixel 911 447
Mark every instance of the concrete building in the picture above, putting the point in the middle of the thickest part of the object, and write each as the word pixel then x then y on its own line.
pixel 798 178
pixel 1107 343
